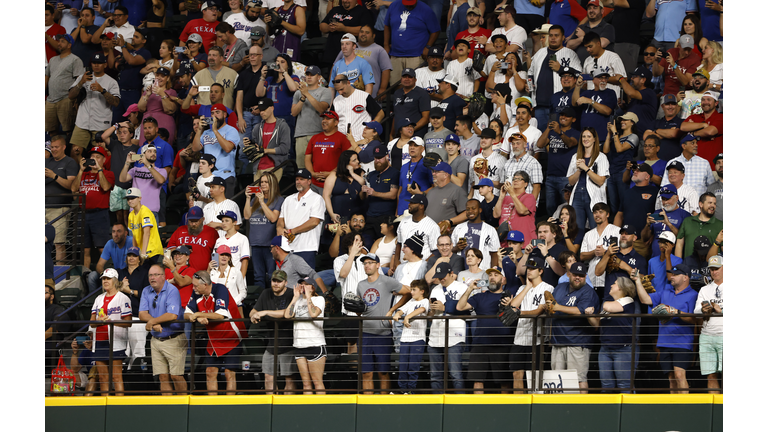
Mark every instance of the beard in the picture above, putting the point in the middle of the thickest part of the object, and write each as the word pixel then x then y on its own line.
pixel 701 88
pixel 577 285
pixel 669 208
pixel 603 86
pixel 625 245
pixel 494 287
pixel 195 231
pixel 517 153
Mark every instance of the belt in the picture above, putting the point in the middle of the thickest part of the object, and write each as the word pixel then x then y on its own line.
pixel 167 337
pixel 95 210
pixel 128 90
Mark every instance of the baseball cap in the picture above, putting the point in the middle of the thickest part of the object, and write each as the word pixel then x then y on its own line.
pixel 487 133
pixel 376 126
pixel 66 37
pixel 163 71
pixel 643 72
pixel 703 72
pixel 132 108
pixel 628 229
pixel 483 182
pixel 330 114
pixel 416 140
pixel 221 107
pixel 579 269
pixel 644 167
pixel 304 173
pixel 370 256
pixel 280 275
pixel 515 236
pixel 496 269
pixel 107 35
pixel 419 199
pixel 499 36
pixel 133 192
pixel 403 123
pixel 717 158
pixel 265 103
pixel 98 58
pixel 312 70
pixel 686 41
pixel 194 37
pixel 216 181
pixel 462 41
pixel 568 112
pixel 630 116
pixel 523 99
pixel 281 242
pixel 534 262
pixel 688 137
pixel 409 72
pixel 450 80
pixel 434 52
pixel 668 191
pixel 715 261
pixel 475 10
pixel 517 135
pixel 601 72
pixel 436 112
pixel 195 213
pixel 185 68
pixel 567 70
pixel 669 99
pixel 595 3
pixel 257 32
pixel 667 236
pixel 454 138
pixel 109 273
pixel 308 281
pixel 442 270
pixel 133 250
pixel 443 166
pixel 713 95
pixel 211 159
pixel 349 37
pixel 702 243
pixel 680 269
pixel 97 149
pixel 676 165
pixel 209 4
pixel 229 213
pixel 184 250
pixel 380 152
pixel 224 249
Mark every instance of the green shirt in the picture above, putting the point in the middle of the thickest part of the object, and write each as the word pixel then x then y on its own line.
pixel 692 227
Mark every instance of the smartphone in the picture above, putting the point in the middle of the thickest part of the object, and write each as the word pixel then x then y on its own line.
pixel 432 299
pixel 537 242
pixel 81 340
pixel 553 57
pixel 554 117
pixel 167 253
pixel 462 239
pixel 179 49
pixel 135 157
pixel 254 189
pixel 507 250
pixel 343 219
pixel 635 273
pixel 586 77
pixel 613 241
pixel 657 217
pixel 204 88
pixel 705 303
pixel 413 185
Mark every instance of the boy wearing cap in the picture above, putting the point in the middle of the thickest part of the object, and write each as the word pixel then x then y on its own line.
pixel 309 104
pixel 324 150
pixel 240 248
pixel 710 300
pixel 143 225
pixel 459 164
pixel 95 184
pixel 355 68
pixel 461 68
pixel 487 164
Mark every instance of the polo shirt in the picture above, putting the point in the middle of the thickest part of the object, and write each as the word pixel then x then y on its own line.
pixel 709 148
pixel 693 227
pixel 157 304
pixel 382 182
pixel 223 336
pixel 659 269
pixel 675 333
pixel 669 148
pixel 295 211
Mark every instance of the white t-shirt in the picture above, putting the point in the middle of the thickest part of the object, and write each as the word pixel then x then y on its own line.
pixel 308 333
pixel 591 240
pixel 533 298
pixel 418 329
pixel 465 74
pixel 456 327
pixel 232 278
pixel 295 211
pixel 711 292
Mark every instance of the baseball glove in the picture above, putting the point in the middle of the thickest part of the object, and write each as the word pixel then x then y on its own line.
pixel 478 61
pixel 481 167
pixel 614 264
pixel 647 282
pixel 431 159
pixel 662 312
pixel 476 105
pixel 537 3
pixel 193 190
pixel 332 304
pixel 445 227
pixel 253 152
pixel 508 315
pixel 289 235
pixel 548 297
pixel 353 303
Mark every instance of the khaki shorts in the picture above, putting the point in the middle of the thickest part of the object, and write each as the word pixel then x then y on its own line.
pixel 81 137
pixel 400 63
pixel 571 357
pixel 60 225
pixel 301 150
pixel 59 113
pixel 168 356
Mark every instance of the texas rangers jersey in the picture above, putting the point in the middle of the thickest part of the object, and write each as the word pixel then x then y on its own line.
pixel 222 336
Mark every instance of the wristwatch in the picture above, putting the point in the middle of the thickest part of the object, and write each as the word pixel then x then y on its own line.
pixel 303 99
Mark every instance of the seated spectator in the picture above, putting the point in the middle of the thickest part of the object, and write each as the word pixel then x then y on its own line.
pixel 707 126
pixel 698 174
pixel 691 26
pixel 115 251
pixel 712 62
pixel 678 65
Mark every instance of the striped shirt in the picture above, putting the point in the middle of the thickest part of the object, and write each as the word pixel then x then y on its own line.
pixel 687 199
pixel 533 298
pixel 426 227
pixel 355 110
pixel 591 240
pixel 527 163
pixel 495 163
pixel 608 62
pixel 698 173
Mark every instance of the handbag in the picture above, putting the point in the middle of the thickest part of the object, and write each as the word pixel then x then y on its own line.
pixel 62 379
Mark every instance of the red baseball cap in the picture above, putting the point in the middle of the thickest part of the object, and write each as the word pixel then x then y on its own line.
pixel 220 107
pixel 409 2
pixel 330 114
pixel 99 150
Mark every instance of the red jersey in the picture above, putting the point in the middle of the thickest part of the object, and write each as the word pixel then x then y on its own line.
pixel 201 244
pixel 710 148
pixel 222 336
pixel 206 30
pixel 687 65
pixel 95 196
pixel 326 151
pixel 474 40
pixel 52 32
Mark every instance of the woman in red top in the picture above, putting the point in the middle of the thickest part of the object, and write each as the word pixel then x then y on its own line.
pixel 179 274
pixel 517 207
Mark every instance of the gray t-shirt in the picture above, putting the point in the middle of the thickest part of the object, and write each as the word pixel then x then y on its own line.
pixel 296 268
pixel 378 297
pixel 94 114
pixel 434 142
pixel 270 54
pixel 62 73
pixel 461 165
pixel 308 122
pixel 717 189
pixel 63 168
pixel 237 53
pixel 446 202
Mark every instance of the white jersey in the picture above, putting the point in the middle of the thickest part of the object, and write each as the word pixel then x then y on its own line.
pixel 711 292
pixel 608 62
pixel 515 36
pixel 308 333
pixel 126 31
pixel 238 243
pixel 495 164
pixel 565 56
pixel 596 193
pixel 119 307
pixel 243 26
pixel 352 110
pixel 426 227
pixel 232 278
pixel 465 74
pixel 212 210
pixel 205 191
pixel 591 240
pixel 456 327
pixel 418 329
pixel 687 199
pixel 295 211
pixel 488 241
pixel 427 80
pixel 533 298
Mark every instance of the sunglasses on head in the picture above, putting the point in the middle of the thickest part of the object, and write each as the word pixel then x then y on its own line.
pixel 339 81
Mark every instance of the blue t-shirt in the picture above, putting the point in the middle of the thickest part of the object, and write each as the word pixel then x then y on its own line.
pixel 560 13
pixel 358 69
pixel 489 331
pixel 225 162
pixel 669 16
pixel 710 22
pixel 591 118
pixel 458 24
pixel 526 7
pixel 675 333
pixel 574 332
pixel 410 29
pixel 637 203
pixel 634 260
pixel 116 253
pixel 659 269
pixel 676 217
pixel 262 231
pixel 560 154
pixel 281 95
pixel 137 10
pixel 382 182
pixel 409 173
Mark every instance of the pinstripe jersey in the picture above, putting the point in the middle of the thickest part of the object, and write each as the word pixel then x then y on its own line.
pixel 591 240
pixel 533 298
pixel 487 241
pixel 426 226
pixel 352 110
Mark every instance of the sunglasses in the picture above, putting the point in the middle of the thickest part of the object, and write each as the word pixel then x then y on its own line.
pixel 338 81
pixel 154 302
pixel 649 53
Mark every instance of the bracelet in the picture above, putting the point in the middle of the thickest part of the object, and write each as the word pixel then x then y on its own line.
pixel 100 170
pixel 56 178
pixel 450 222
pixel 717 242
pixel 303 99
pixel 674 67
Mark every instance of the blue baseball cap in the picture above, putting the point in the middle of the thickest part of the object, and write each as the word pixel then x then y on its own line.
pixel 312 70
pixel 376 126
pixel 483 182
pixel 668 191
pixel 680 269
pixel 454 138
pixel 515 236
pixel 133 250
pixel 229 213
pixel 443 166
pixel 184 250
pixel 66 37
pixel 579 269
pixel 195 213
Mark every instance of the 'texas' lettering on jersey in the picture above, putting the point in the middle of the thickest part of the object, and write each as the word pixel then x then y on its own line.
pixel 189 240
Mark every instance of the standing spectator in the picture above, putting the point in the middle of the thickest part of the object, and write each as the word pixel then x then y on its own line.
pixel 597 241
pixel 147 178
pixel 707 126
pixel 698 174
pixel 459 164
pixel 434 140
pixel 567 14
pixel 470 143
pixel 415 178
pixel 627 258
pixel 94 183
pixel 51 30
pixel 273 136
pixel 117 24
pixel 110 306
pixel 547 251
pixel 235 49
pixel 219 204
pixel 194 55
pixel 678 65
pixel 710 300
pixel 157 102
pixel 517 207
pixel 60 173
pixel 205 27
pixel 627 16
pixel 95 111
pixel 476 35
pixel 61 71
pixel 214 302
pixel 477 234
pixel 260 38
pixel 119 145
pixel 413 339
pixel 85 45
pixel 522 160
pixel 53 312
pixel 702 224
pixel 445 255
pixel 356 69
pixel 196 236
pixel 417 222
pixel 667 129
pixel 516 35
pixel 245 93
pixel 115 250
pixel 444 299
pixel 449 200
pixel 308 337
pixel 675 342
pixel 411 102
pixel 561 141
pixel 375 55
pixel 687 196
pixel 669 16
pixel 595 24
pixel 429 76
pixel 310 103
pixel 244 21
pixel 133 59
pixel 240 251
pixel 487 164
pixel 219 140
pixel 603 61
pixel 178 273
pixel 712 62
pixel 451 104
pixel 638 202
pixel 527 129
pixel 596 105
pixel 461 68
pixel 669 217
pixel 279 86
pixel 642 99
pixel 289 29
pixel 324 149
pixel 262 211
pixel 301 218
pixel 410 28
pixel 717 187
pixel 690 100
pixel 216 95
pixel 620 148
pixel 572 339
pixel 342 191
pixel 216 72
pixel 587 172
pixel 143 226
pixel 457 23
pixel 345 19
pixel 347 104
pixel 381 189
pixel 221 272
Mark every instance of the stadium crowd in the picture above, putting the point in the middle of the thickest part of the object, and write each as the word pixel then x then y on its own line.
pixel 543 157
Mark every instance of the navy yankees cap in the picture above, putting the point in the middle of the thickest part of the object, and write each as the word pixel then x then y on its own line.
pixel 229 213
pixel 184 250
pixel 434 52
pixel 676 165
pixel 442 270
pixel 628 229
pixel 578 269
pixel 216 181
pixel 680 269
pixel 419 199
pixel 567 70
pixel 303 173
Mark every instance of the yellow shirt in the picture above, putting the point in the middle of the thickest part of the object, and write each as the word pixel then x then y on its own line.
pixel 136 223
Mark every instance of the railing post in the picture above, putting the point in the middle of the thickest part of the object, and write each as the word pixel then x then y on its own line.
pixel 445 354
pixel 111 355
pixel 359 355
pixel 192 360
pixel 632 356
pixel 276 375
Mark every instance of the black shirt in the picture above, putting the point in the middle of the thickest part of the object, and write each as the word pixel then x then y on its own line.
pixel 355 17
pixel 268 301
pixel 383 182
pixel 138 280
pixel 247 82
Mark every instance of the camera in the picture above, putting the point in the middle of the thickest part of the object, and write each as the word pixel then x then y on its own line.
pixel 179 49
pixel 273 66
pixel 208 122
pixel 503 65
pixel 482 283
pixel 634 166
pixel 90 163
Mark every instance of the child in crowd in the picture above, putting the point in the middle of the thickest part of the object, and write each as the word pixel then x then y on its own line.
pixel 413 340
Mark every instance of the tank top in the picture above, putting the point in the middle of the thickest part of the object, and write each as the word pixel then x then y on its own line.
pixel 285 41
pixel 385 251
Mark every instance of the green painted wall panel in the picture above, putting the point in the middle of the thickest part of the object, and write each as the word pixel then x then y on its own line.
pixel 314 418
pixel 147 418
pixel 575 417
pixel 663 417
pixel 411 417
pixel 717 418
pixel 91 418
pixel 501 418
pixel 207 418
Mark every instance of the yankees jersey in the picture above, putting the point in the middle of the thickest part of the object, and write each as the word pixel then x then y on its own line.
pixel 591 240
pixel 239 245
pixel 687 199
pixel 495 163
pixel 533 298
pixel 212 210
pixel 457 328
pixel 481 236
pixel 565 56
pixel 465 74
pixel 426 227
pixel 427 80
pixel 609 62
pixel 532 134
pixel 356 109
pixel 295 211
pixel 515 36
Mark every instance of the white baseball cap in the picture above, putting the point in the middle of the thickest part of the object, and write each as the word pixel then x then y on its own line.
pixel 349 37
pixel 668 236
pixel 109 273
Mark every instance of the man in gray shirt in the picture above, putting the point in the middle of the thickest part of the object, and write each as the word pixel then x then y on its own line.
pixel 434 140
pixel 258 38
pixel 293 265
pixel 61 72
pixel 309 102
pixel 448 201
pixel 459 164
pixel 376 291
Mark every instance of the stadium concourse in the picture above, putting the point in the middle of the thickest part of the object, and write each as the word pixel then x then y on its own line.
pixel 268 198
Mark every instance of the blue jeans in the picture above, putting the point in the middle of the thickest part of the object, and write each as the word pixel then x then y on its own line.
pixel 454 367
pixel 263 265
pixel 93 281
pixel 309 257
pixel 542 116
pixel 410 360
pixel 328 277
pixel 554 192
pixel 581 203
pixel 616 189
pixel 615 366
